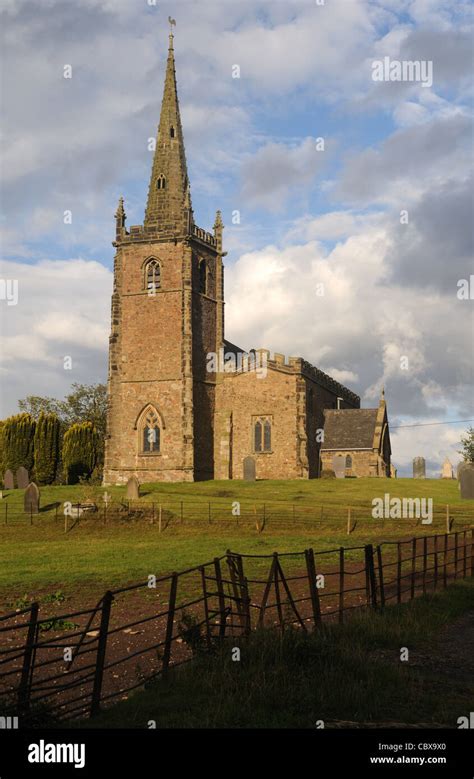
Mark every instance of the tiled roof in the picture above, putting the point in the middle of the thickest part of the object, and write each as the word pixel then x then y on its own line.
pixel 349 428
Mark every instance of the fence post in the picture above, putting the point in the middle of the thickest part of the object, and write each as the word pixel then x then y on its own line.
pixel 381 584
pixel 6 513
pixel 445 567
pixel 101 648
pixel 153 513
pixel 159 518
pixel 27 668
pixel 349 522
pixel 236 589
pixel 169 623
pixel 341 584
pixel 221 597
pixel 425 555
pixel 448 522
pixel 464 559
pixel 456 555
pixel 370 573
pixel 399 573
pixel 413 567
pixel 206 607
pixel 313 589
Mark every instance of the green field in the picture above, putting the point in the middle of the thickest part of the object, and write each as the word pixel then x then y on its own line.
pixel 94 555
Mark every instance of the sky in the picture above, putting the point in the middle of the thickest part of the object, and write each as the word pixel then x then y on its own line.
pixel 349 252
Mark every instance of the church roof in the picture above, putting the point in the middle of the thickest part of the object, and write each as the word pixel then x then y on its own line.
pixel 349 428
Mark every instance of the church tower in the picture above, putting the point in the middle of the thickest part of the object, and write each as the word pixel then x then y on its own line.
pixel 167 316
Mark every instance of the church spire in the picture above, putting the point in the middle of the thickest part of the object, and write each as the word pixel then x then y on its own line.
pixel 168 191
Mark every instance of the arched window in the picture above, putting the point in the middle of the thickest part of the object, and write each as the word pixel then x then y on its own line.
pixel 150 433
pixel 348 461
pixel 203 277
pixel 152 276
pixel 262 434
pixel 171 132
pixel 267 436
pixel 161 182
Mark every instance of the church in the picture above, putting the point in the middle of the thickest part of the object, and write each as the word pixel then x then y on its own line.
pixel 175 413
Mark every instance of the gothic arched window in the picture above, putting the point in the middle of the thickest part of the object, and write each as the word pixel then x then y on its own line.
pixel 203 277
pixel 150 433
pixel 262 434
pixel 161 182
pixel 348 461
pixel 171 132
pixel 152 276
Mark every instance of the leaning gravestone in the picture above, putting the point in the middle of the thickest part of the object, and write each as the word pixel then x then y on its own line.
pixel 133 488
pixel 32 499
pixel 461 466
pixel 419 468
pixel 447 472
pixel 22 478
pixel 249 469
pixel 466 481
pixel 339 466
pixel 8 480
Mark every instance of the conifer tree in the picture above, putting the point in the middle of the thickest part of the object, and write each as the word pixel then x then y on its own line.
pixel 46 448
pixel 18 442
pixel 79 452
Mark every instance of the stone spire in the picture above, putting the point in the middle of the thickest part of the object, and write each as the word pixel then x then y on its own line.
pixel 120 217
pixel 168 194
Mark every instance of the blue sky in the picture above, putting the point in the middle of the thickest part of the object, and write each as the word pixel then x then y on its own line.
pixel 307 217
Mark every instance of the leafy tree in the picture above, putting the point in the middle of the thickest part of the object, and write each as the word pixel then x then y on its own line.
pixel 46 448
pixel 18 442
pixel 467 442
pixel 80 452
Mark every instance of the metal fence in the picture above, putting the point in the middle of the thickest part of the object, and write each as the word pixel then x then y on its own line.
pixel 226 512
pixel 70 665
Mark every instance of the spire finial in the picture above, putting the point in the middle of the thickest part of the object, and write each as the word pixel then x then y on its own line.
pixel 172 23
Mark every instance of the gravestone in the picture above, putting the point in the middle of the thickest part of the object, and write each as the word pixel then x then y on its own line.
pixel 447 472
pixel 466 481
pixel 32 499
pixel 249 469
pixel 133 488
pixel 22 478
pixel 339 466
pixel 461 466
pixel 419 468
pixel 8 480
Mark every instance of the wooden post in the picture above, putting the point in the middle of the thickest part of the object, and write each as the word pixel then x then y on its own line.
pixel 277 593
pixel 169 623
pixel 448 523
pixel 464 559
pixel 153 513
pixel 445 566
pixel 313 589
pixel 341 584
pixel 101 648
pixel 27 668
pixel 456 555
pixel 159 518
pixel 399 573
pixel 6 513
pixel 221 598
pixel 425 556
pixel 349 523
pixel 236 589
pixel 206 607
pixel 381 584
pixel 65 522
pixel 369 564
pixel 413 567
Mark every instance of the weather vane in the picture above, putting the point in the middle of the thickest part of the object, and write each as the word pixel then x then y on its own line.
pixel 172 24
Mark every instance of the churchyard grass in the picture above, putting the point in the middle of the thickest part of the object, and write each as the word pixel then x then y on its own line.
pixel 94 556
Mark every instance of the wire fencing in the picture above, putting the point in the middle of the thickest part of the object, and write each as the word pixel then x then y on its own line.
pixel 70 665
